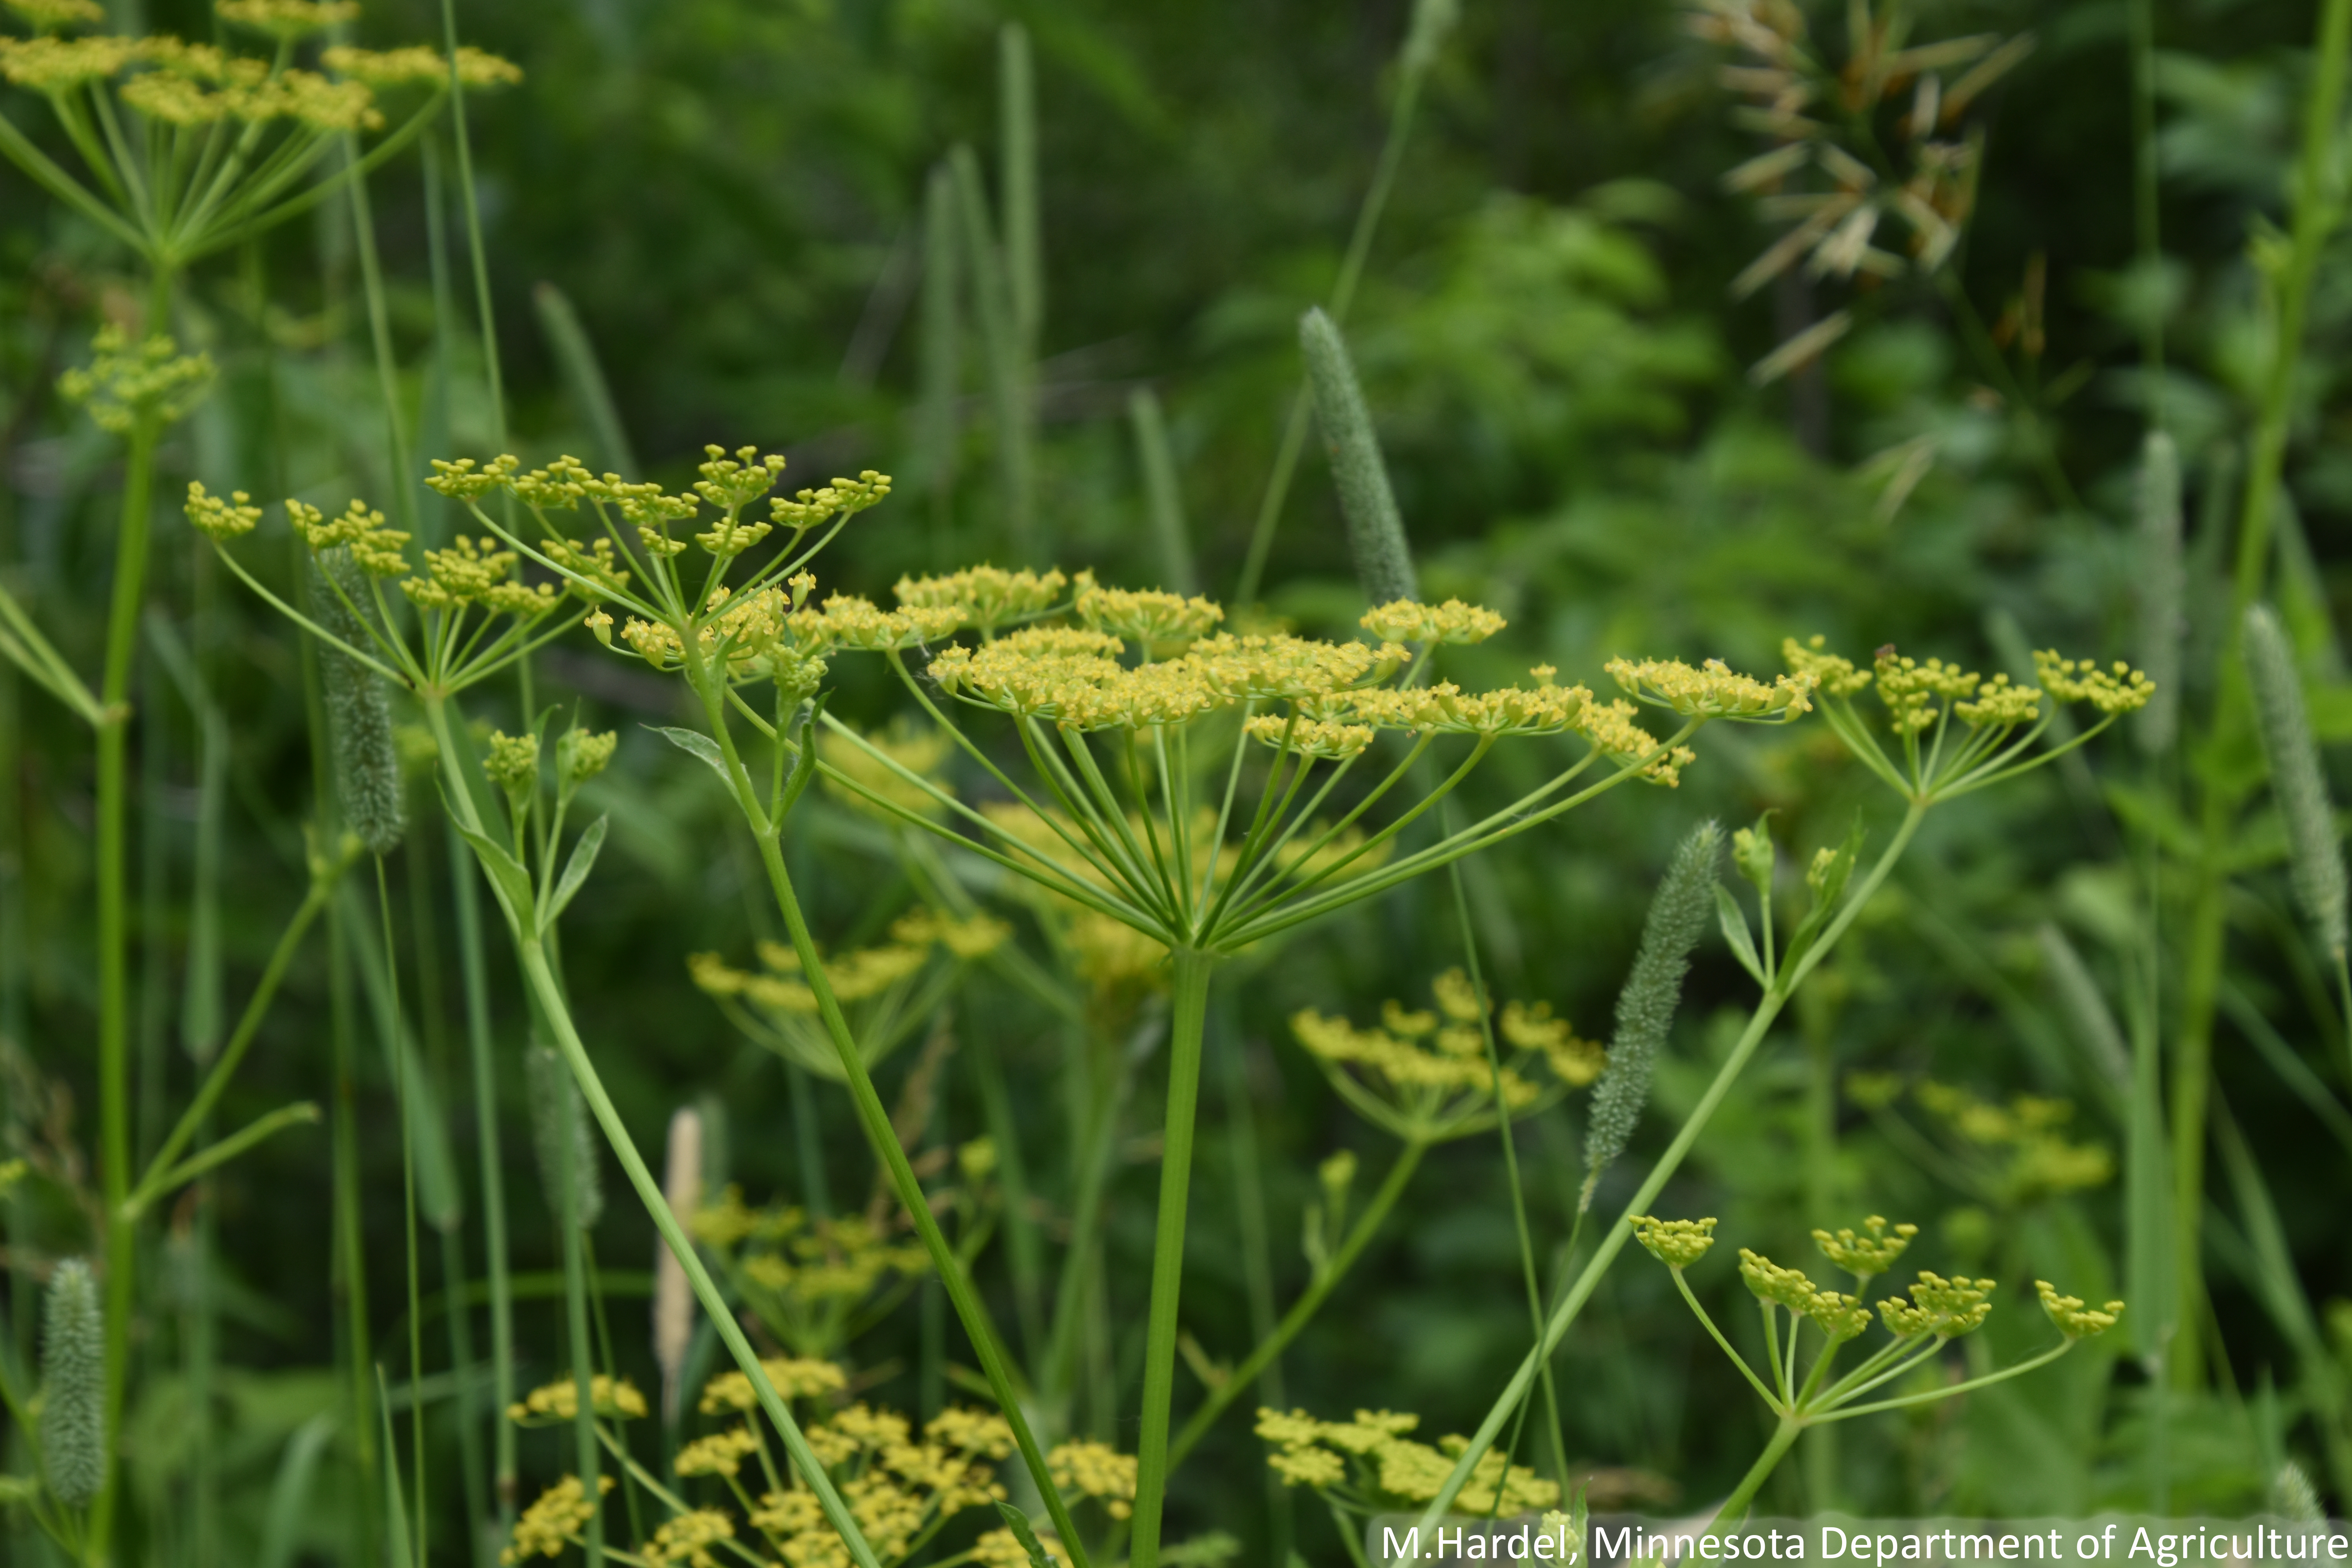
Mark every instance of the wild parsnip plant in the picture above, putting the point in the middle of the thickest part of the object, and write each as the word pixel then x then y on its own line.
pixel 1953 732
pixel 1061 822
pixel 1174 854
pixel 1938 1311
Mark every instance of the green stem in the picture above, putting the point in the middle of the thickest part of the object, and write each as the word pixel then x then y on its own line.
pixel 265 991
pixel 1367 1226
pixel 474 970
pixel 1735 1507
pixel 1767 1008
pixel 1503 1127
pixel 2315 217
pixel 708 685
pixel 585 1461
pixel 558 1017
pixel 113 928
pixel 1187 1023
pixel 349 1244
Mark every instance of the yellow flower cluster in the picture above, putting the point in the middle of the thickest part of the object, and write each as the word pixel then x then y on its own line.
pixel 1676 1242
pixel 474 572
pixel 1874 1251
pixel 896 1487
pixel 59 13
pixel 1834 675
pixel 513 762
pixel 192 84
pixel 1713 690
pixel 53 64
pixel 1945 1307
pixel 813 1262
pixel 1458 1064
pixel 1445 709
pixel 581 754
pixel 377 548
pixel 124 382
pixel 1400 1471
pixel 554 1522
pixel 221 519
pixel 2075 1320
pixel 1002 1549
pixel 986 596
pixel 721 1454
pixel 728 483
pixel 1574 1060
pixel 2121 690
pixel 771 633
pixel 923 752
pixel 1403 621
pixel 288 18
pixel 1149 616
pixel 1841 1317
pixel 689 1538
pixel 417 64
pixel 559 1401
pixel 1320 739
pixel 854 975
pixel 2040 1161
pixel 1610 728
pixel 1416 1055
pixel 1095 1470
pixel 794 1378
pixel 1916 691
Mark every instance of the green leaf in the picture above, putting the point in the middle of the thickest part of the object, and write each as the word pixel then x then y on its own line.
pixel 509 880
pixel 1018 1523
pixel 695 744
pixel 575 871
pixel 805 764
pixel 1734 921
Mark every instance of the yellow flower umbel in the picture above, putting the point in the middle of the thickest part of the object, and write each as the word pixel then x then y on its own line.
pixel 558 1519
pixel 187 149
pixel 1369 1465
pixel 889 990
pixel 1955 730
pixel 1424 1077
pixel 1937 1311
pixel 2004 1156
pixel 814 1284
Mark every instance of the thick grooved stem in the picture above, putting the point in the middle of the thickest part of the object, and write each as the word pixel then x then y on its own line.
pixel 1186 1025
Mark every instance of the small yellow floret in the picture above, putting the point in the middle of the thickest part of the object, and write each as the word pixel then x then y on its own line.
pixel 2075 1320
pixel 221 519
pixel 1874 1251
pixel 1676 1242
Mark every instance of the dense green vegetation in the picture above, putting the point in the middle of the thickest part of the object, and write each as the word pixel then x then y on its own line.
pixel 2058 364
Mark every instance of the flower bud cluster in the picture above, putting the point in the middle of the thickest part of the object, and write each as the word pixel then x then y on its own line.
pixel 124 382
pixel 1945 1307
pixel 1676 1242
pixel 2075 1320
pixel 221 519
pixel 1713 690
pixel 376 547
pixel 1403 621
pixel 1874 1251
pixel 1841 1317
pixel 2119 690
